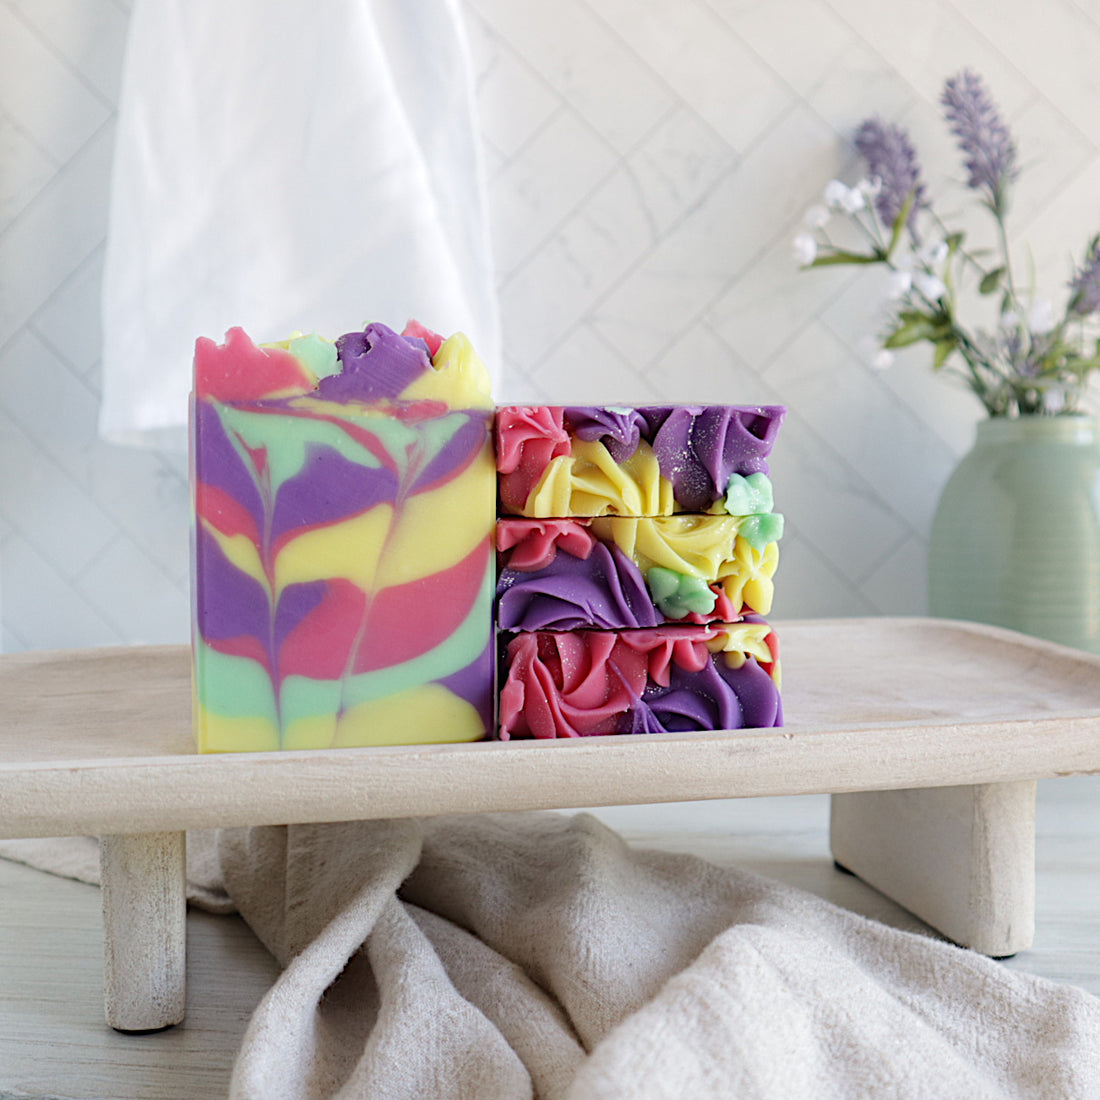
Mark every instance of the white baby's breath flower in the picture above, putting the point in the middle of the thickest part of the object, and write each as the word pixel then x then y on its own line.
pixel 835 194
pixel 870 188
pixel 883 360
pixel 1040 320
pixel 805 249
pixel 933 253
pixel 931 286
pixel 853 201
pixel 1010 320
pixel 898 285
pixel 817 216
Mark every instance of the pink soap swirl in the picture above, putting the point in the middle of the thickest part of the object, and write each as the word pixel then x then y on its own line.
pixel 528 439
pixel 684 645
pixel 416 330
pixel 723 611
pixel 534 543
pixel 568 685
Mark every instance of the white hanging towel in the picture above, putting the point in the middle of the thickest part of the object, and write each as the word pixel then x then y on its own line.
pixel 287 165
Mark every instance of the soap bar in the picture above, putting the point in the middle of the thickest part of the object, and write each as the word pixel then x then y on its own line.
pixel 716 676
pixel 562 461
pixel 617 572
pixel 344 503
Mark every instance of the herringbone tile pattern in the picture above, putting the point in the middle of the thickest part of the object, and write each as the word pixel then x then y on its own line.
pixel 648 163
pixel 93 539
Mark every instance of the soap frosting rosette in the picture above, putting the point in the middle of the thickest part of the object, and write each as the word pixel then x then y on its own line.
pixel 559 577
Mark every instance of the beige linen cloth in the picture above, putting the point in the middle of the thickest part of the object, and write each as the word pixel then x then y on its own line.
pixel 538 955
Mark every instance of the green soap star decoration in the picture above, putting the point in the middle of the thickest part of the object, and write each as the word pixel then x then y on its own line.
pixel 759 530
pixel 679 594
pixel 749 496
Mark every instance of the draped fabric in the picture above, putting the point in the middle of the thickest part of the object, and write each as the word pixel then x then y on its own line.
pixel 539 957
pixel 287 166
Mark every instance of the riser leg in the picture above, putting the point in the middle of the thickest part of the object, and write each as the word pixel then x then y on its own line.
pixel 960 858
pixel 144 930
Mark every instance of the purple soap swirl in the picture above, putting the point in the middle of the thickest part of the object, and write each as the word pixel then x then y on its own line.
pixel 716 697
pixel 377 364
pixel 604 591
pixel 236 605
pixel 474 683
pixel 619 429
pixel 698 448
pixel 329 488
pixel 223 466
pixel 463 447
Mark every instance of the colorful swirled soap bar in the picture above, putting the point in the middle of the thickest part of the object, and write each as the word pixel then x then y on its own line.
pixel 621 573
pixel 343 564
pixel 563 461
pixel 664 679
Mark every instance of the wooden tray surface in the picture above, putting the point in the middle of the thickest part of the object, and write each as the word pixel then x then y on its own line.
pixel 98 741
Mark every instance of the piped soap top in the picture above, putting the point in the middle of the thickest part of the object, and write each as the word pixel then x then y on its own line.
pixel 377 366
pixel 557 460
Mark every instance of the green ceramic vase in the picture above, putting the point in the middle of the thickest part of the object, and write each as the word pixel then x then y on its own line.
pixel 1016 537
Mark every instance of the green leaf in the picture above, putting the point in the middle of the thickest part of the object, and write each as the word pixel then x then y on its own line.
pixel 841 257
pixel 909 332
pixel 991 281
pixel 900 221
pixel 943 349
pixel 918 326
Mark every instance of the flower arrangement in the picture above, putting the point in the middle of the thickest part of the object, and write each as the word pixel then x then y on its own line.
pixel 1029 360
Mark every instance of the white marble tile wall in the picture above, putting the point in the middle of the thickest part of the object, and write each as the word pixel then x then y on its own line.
pixel 649 162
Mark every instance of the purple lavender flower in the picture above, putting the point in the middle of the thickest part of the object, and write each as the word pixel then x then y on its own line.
pixel 892 160
pixel 982 136
pixel 1085 284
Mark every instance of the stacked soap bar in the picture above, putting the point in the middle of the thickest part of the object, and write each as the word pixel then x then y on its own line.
pixel 718 676
pixel 344 500
pixel 557 461
pixel 620 572
pixel 631 592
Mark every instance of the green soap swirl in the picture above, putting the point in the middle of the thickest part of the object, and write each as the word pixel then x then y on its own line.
pixel 749 496
pixel 238 687
pixel 679 594
pixel 233 686
pixel 287 440
pixel 317 354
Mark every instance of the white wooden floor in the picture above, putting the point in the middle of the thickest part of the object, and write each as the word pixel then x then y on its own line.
pixel 54 1044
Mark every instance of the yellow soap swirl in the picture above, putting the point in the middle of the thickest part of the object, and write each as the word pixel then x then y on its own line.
pixel 739 641
pixel 703 546
pixel 589 482
pixel 458 377
pixel 749 579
